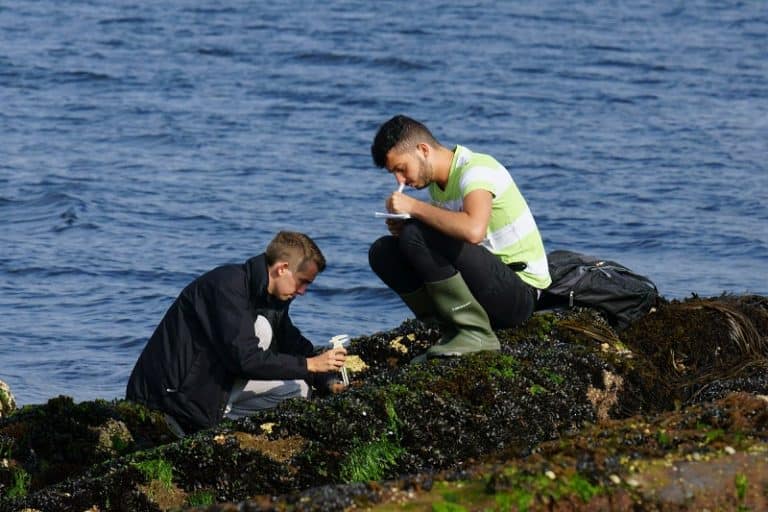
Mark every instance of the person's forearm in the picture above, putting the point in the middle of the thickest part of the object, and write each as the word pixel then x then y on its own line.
pixel 457 225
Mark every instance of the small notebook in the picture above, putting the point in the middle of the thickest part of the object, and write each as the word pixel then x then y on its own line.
pixel 386 215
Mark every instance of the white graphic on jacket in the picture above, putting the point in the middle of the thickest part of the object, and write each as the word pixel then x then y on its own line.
pixel 263 330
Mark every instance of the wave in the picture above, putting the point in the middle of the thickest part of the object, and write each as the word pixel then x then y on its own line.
pixel 210 11
pixel 80 76
pixel 217 52
pixel 371 292
pixel 127 20
pixel 385 63
pixel 645 67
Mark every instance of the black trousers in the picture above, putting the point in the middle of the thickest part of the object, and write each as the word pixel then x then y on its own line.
pixel 421 255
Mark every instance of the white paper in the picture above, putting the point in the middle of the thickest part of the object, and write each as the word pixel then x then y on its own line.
pixel 387 215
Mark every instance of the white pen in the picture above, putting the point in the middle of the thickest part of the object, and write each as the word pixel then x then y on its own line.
pixel 401 187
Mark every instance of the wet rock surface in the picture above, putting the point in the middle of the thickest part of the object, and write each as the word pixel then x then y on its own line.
pixel 569 415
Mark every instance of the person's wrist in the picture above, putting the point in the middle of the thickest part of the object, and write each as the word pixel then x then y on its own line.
pixel 416 210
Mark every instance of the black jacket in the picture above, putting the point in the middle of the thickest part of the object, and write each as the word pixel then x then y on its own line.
pixel 206 340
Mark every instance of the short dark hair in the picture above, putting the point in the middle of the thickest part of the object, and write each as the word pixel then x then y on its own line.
pixel 295 247
pixel 401 131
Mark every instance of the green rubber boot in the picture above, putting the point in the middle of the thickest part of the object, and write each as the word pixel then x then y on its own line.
pixel 454 303
pixel 422 305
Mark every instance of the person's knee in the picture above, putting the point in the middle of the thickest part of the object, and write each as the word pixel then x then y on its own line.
pixel 412 241
pixel 381 252
pixel 303 389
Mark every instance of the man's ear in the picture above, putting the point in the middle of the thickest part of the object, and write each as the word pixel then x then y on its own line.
pixel 281 267
pixel 424 149
pixel 278 268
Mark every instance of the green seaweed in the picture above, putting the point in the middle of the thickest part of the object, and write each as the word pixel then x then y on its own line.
pixel 372 460
pixel 156 469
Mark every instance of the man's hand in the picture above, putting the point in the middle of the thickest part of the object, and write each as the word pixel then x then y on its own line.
pixel 401 203
pixel 328 361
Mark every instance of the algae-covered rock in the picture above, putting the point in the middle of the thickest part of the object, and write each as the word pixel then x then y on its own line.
pixel 711 456
pixel 562 379
pixel 48 443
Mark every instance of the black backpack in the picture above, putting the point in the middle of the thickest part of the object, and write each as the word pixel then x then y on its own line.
pixel 581 280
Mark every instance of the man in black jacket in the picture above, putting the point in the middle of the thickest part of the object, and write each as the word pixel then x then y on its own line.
pixel 227 347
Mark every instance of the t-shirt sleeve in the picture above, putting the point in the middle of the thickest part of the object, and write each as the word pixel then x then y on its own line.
pixel 478 178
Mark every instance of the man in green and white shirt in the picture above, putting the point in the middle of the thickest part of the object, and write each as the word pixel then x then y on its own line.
pixel 472 258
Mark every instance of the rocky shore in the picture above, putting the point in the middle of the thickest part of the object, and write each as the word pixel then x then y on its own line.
pixel 670 414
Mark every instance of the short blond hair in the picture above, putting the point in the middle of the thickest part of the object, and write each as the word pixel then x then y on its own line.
pixel 295 248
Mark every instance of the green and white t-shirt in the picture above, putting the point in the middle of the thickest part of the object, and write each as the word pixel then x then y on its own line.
pixel 512 233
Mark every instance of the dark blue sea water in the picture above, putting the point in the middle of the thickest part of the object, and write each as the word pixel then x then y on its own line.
pixel 142 143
